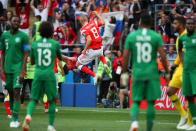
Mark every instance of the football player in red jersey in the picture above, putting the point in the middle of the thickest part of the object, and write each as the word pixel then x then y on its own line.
pixel 94 48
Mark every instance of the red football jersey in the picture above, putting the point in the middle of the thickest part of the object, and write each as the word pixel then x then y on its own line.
pixel 24 18
pixel 92 29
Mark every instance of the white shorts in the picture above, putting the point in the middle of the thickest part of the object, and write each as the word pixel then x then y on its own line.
pixel 107 41
pixel 90 56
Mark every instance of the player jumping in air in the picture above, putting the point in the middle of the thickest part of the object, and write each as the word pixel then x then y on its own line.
pixel 176 82
pixel 144 45
pixel 42 54
pixel 188 42
pixel 94 47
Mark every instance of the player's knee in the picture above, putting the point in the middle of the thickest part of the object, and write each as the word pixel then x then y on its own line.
pixel 80 67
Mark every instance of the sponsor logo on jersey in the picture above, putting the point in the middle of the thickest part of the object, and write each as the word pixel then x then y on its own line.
pixel 17 39
pixel 194 41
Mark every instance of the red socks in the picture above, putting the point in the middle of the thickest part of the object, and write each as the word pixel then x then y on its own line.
pixel 55 101
pixel 47 104
pixel 88 71
pixel 7 107
pixel 102 59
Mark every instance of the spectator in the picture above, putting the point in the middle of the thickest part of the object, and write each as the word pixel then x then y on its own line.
pixel 71 36
pixel 136 10
pixel 165 28
pixel 8 16
pixel 101 8
pixel 103 76
pixel 68 12
pixel 40 10
pixel 4 4
pixel 1 9
pixel 35 30
pixel 117 68
pixel 112 97
pixel 171 56
pixel 27 80
pixel 123 101
pixel 23 10
pixel 50 8
pixel 108 38
pixel 57 20
pixel 4 26
pixel 130 14
pixel 188 14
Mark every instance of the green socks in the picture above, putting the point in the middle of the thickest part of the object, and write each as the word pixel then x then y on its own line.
pixel 31 107
pixel 135 111
pixel 51 112
pixel 192 108
pixel 150 115
pixel 16 108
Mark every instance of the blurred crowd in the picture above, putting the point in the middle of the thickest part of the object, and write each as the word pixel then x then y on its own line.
pixel 64 14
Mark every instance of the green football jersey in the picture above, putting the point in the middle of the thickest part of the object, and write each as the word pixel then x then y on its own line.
pixel 189 45
pixel 44 51
pixel 143 45
pixel 14 47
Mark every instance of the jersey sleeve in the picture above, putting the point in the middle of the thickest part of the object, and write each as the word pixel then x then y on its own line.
pixel 159 41
pixel 180 45
pixel 2 43
pixel 84 32
pixel 58 51
pixel 128 42
pixel 26 46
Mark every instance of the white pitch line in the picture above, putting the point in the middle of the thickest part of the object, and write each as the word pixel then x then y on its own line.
pixel 159 123
pixel 166 123
pixel 103 111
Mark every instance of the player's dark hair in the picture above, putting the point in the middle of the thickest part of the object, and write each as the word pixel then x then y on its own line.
pixel 146 19
pixel 38 17
pixel 113 20
pixel 181 20
pixel 46 29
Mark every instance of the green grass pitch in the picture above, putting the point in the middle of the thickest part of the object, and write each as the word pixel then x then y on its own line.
pixel 90 119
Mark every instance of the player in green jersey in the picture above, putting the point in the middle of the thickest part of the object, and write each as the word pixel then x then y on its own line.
pixel 42 54
pixel 144 45
pixel 15 46
pixel 188 42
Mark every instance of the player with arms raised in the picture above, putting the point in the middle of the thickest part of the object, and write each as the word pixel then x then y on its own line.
pixel 188 42
pixel 94 47
pixel 143 45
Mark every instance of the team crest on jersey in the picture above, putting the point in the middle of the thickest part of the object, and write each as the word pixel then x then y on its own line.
pixel 17 39
pixel 194 41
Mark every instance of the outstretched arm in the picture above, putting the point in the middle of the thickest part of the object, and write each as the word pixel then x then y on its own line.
pixel 68 58
pixel 32 5
pixel 99 17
